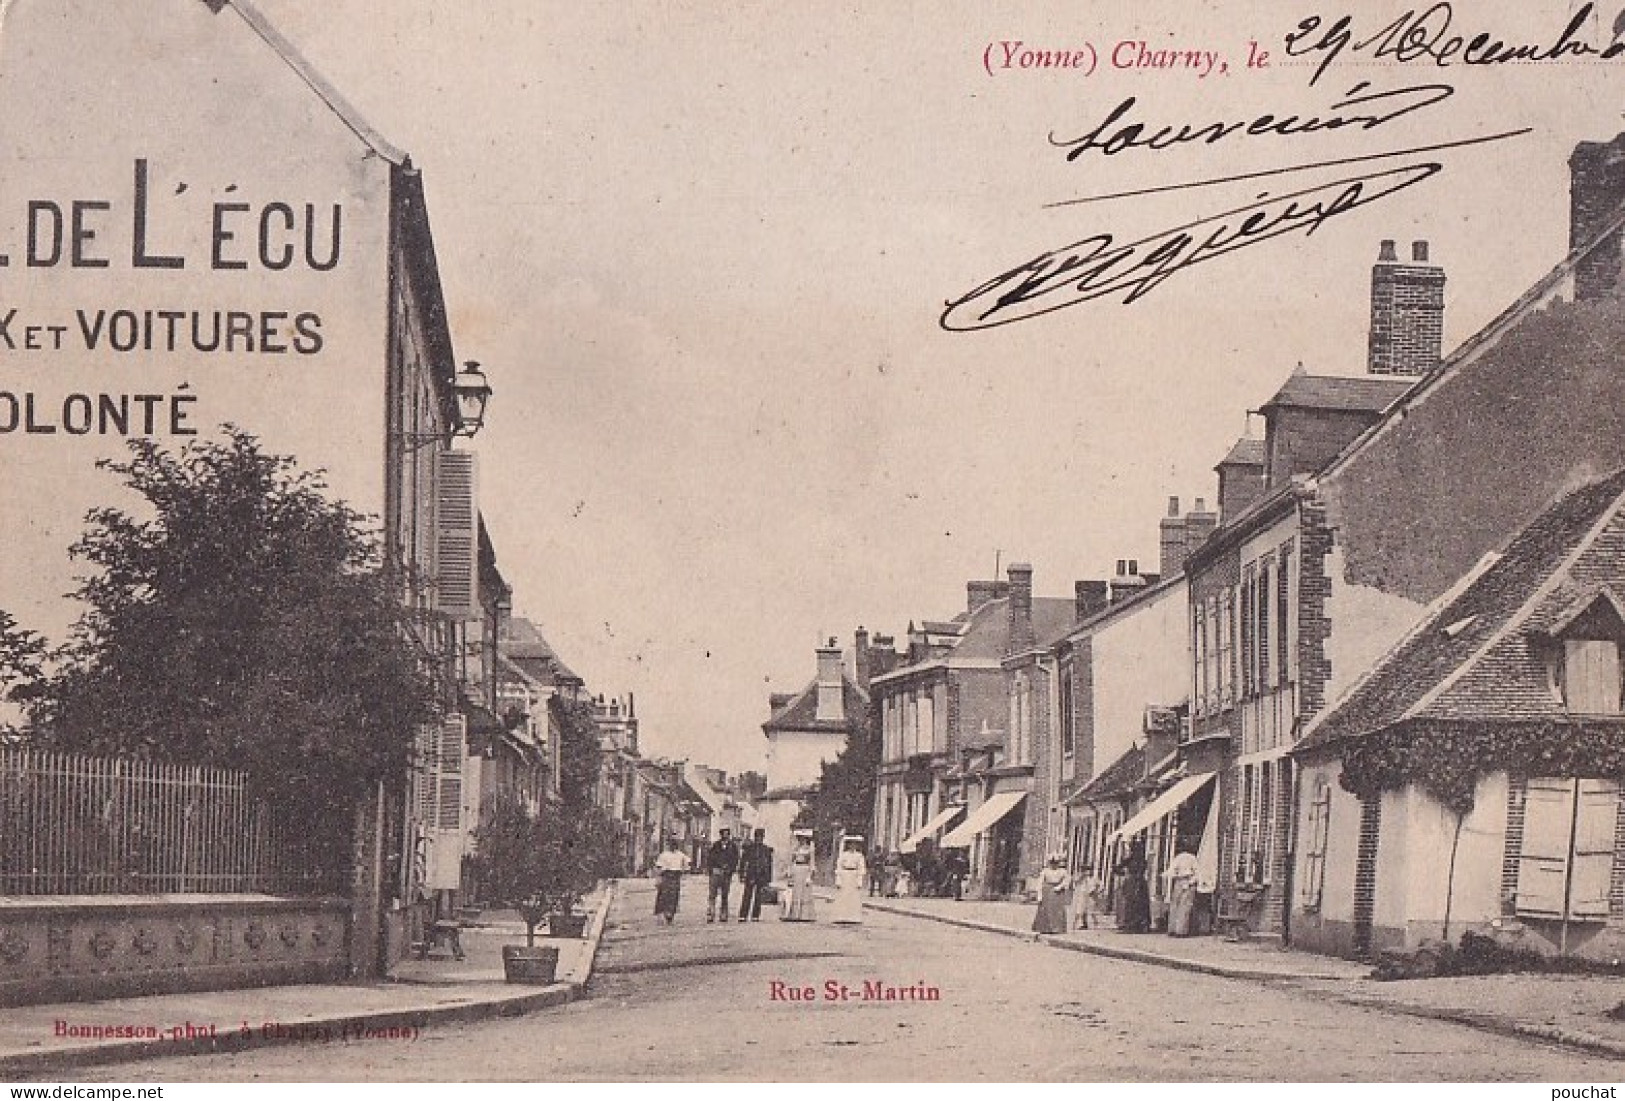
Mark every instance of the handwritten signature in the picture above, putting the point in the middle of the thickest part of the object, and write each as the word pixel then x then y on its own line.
pixel 1360 109
pixel 1426 36
pixel 1097 266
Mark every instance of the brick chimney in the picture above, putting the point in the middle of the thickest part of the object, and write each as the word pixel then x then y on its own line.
pixel 978 593
pixel 831 698
pixel 1596 190
pixel 1199 524
pixel 1407 313
pixel 1128 581
pixel 1021 607
pixel 1091 598
pixel 1173 546
pixel 860 658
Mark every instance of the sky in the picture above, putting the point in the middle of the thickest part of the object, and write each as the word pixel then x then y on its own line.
pixel 702 253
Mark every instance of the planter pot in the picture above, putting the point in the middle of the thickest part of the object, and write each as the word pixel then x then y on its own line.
pixel 530 965
pixel 566 925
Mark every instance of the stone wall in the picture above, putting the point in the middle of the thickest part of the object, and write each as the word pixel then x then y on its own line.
pixel 74 949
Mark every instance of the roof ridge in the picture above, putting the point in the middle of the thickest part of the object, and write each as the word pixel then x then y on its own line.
pixel 1605 516
pixel 290 55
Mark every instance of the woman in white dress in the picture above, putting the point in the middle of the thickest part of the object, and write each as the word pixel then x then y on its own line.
pixel 851 873
pixel 801 869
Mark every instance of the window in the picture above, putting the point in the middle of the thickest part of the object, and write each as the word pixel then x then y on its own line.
pixel 1567 853
pixel 1591 677
pixel 1283 615
pixel 1244 837
pixel 1316 831
pixel 1226 647
pixel 1260 794
pixel 1261 605
pixel 1199 650
pixel 1249 643
pixel 1069 734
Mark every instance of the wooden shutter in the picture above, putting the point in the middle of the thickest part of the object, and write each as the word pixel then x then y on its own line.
pixel 1593 863
pixel 428 769
pixel 1543 861
pixel 456 534
pixel 1591 676
pixel 446 855
pixel 1317 831
pixel 449 793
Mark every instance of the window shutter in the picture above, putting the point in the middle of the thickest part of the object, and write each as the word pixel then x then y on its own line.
pixel 1593 849
pixel 428 771
pixel 456 532
pixel 446 855
pixel 449 796
pixel 1591 673
pixel 1543 862
pixel 1320 816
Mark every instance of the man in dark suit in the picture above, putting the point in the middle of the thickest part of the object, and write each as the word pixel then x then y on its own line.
pixel 723 861
pixel 755 872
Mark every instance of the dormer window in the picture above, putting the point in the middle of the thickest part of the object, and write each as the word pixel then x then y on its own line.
pixel 1584 648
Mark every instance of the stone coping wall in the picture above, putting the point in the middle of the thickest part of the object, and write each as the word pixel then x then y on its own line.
pixel 61 948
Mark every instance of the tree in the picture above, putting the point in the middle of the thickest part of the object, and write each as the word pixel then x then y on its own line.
pixel 542 864
pixel 580 757
pixel 244 620
pixel 845 799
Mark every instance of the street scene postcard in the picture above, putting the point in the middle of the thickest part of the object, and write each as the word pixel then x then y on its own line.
pixel 901 542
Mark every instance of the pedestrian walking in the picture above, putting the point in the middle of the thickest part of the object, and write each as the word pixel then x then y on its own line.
pixel 1134 894
pixel 1054 898
pixel 669 867
pixel 801 869
pixel 722 861
pixel 851 872
pixel 889 874
pixel 1181 876
pixel 755 873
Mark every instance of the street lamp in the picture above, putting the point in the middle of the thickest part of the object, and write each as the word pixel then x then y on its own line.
pixel 470 393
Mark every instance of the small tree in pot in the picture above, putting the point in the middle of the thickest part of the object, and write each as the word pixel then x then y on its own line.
pixel 517 860
pixel 590 852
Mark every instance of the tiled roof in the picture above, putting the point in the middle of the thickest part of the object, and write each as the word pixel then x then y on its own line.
pixel 1119 777
pixel 988 637
pixel 524 645
pixel 1353 393
pixel 1245 452
pixel 1474 657
pixel 800 713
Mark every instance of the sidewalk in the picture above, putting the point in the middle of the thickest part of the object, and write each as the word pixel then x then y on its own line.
pixel 417 996
pixel 1568 1010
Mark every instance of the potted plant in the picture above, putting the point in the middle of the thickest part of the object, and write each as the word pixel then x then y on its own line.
pixel 589 851
pixel 517 859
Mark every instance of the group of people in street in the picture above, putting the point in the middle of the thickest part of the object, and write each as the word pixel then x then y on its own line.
pixel 926 873
pixel 1131 894
pixel 753 864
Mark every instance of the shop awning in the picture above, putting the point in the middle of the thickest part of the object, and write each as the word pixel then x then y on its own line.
pixel 912 841
pixel 1162 806
pixel 982 818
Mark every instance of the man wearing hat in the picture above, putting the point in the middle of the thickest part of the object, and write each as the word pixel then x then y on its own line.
pixel 722 861
pixel 755 873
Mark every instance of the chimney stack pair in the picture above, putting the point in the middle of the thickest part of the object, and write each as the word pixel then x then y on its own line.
pixel 1407 313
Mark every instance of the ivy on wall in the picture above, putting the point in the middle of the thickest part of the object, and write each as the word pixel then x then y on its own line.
pixel 1447 759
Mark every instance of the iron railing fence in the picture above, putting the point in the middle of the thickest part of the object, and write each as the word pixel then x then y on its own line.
pixel 83 825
